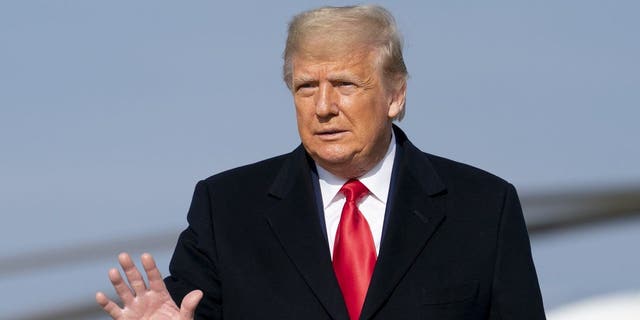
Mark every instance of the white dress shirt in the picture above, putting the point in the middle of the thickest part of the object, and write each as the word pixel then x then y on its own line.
pixel 372 206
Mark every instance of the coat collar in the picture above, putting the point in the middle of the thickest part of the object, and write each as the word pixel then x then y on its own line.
pixel 416 210
pixel 295 221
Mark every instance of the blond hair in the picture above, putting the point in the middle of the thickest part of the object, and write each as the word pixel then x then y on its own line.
pixel 366 25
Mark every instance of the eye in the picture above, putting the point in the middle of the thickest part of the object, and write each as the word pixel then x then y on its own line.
pixel 345 87
pixel 304 85
pixel 345 84
pixel 305 89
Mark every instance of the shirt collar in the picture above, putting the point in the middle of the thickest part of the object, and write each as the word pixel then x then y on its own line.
pixel 377 180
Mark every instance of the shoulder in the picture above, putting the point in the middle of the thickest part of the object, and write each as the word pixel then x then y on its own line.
pixel 473 193
pixel 446 173
pixel 466 186
pixel 470 193
pixel 454 173
pixel 252 175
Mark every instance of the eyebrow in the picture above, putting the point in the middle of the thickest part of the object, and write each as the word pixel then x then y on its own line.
pixel 304 79
pixel 343 75
pixel 335 77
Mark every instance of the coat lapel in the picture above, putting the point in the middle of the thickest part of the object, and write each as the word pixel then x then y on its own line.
pixel 417 210
pixel 294 220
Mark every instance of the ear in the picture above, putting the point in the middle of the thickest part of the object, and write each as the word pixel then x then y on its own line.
pixel 397 98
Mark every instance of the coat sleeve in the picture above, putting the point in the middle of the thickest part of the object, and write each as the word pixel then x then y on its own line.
pixel 194 262
pixel 515 291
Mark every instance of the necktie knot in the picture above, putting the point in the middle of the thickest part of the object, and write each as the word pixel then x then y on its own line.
pixel 354 190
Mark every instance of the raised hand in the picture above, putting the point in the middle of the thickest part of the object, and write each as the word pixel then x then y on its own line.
pixel 140 301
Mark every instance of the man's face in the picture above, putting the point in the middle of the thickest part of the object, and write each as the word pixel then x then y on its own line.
pixel 343 109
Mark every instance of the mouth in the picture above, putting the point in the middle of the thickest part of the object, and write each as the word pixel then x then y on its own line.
pixel 330 134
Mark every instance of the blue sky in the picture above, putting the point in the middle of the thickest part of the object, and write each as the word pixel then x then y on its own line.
pixel 111 111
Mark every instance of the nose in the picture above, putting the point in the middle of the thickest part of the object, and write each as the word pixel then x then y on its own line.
pixel 326 101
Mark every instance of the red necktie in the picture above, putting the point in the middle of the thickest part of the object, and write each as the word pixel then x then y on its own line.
pixel 354 254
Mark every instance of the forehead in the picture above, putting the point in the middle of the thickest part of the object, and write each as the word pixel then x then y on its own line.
pixel 323 58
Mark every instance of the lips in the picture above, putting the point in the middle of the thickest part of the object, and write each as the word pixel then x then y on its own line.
pixel 330 133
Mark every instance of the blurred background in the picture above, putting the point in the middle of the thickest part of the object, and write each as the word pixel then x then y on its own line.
pixel 111 111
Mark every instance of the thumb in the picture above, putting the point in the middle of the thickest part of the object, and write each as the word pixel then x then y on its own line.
pixel 189 304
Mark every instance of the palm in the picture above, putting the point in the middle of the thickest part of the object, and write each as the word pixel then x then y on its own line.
pixel 151 305
pixel 142 302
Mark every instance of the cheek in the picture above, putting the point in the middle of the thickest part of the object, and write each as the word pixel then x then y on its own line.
pixel 369 115
pixel 303 114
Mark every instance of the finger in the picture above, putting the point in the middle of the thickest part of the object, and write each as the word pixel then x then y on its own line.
pixel 123 291
pixel 109 306
pixel 153 274
pixel 189 304
pixel 133 275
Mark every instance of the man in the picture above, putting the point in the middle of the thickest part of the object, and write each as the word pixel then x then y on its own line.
pixel 356 223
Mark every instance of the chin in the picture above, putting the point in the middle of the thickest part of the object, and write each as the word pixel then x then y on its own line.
pixel 332 158
pixel 332 154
